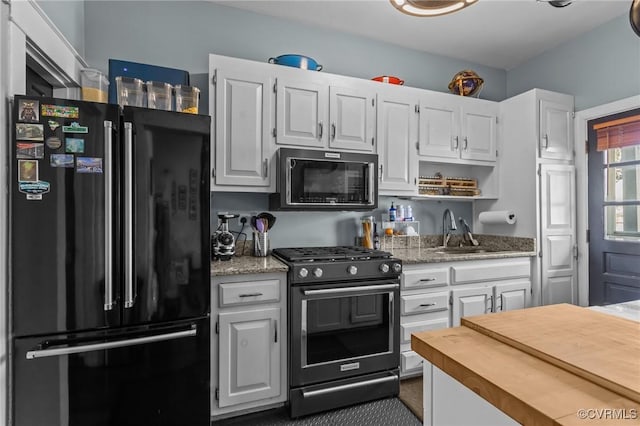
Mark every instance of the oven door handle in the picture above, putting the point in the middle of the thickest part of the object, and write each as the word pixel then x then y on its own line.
pixel 340 290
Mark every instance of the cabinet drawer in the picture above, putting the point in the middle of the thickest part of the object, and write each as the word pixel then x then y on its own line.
pixel 425 278
pixel 421 303
pixel 413 327
pixel 488 271
pixel 410 361
pixel 246 293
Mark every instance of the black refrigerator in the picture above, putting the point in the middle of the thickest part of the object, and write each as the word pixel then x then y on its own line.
pixel 109 265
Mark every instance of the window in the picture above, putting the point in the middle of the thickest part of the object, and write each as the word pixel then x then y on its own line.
pixel 620 142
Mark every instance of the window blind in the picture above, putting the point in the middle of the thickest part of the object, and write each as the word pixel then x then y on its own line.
pixel 618 133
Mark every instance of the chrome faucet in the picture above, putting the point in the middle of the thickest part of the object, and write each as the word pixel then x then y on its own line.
pixel 452 226
pixel 467 232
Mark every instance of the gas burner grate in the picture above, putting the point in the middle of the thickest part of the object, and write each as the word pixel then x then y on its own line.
pixel 331 253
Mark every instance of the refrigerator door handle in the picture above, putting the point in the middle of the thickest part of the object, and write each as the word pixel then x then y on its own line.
pixel 108 217
pixel 110 345
pixel 128 215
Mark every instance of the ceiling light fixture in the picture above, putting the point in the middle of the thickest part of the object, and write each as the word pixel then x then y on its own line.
pixel 430 7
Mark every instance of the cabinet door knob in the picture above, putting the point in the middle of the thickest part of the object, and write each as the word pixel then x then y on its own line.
pixel 333 131
pixel 455 145
pixel 466 143
pixel 320 130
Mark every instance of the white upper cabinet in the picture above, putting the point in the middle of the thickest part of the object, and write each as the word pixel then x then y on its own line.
pixel 479 121
pixel 352 113
pixel 556 129
pixel 397 136
pixel 301 111
pixel 313 113
pixel 439 127
pixel 242 111
pixel 457 129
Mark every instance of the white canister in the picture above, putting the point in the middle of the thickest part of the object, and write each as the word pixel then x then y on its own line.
pixel 408 214
pixel 400 214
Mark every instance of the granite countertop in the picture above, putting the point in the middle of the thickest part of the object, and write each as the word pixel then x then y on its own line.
pixel 428 249
pixel 411 250
pixel 247 264
pixel 411 256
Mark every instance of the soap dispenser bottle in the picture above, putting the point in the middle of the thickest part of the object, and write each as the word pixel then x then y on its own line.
pixel 392 213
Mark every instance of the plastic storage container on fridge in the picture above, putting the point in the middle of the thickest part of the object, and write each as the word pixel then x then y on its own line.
pixel 159 95
pixel 130 91
pixel 187 99
pixel 95 85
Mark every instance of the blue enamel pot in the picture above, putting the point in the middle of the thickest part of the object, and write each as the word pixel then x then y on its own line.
pixel 297 61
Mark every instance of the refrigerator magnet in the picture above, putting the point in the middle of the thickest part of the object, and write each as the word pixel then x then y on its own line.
pixel 61 160
pixel 88 165
pixel 29 132
pixel 27 170
pixel 59 111
pixel 74 145
pixel 29 150
pixel 28 110
pixel 75 128
pixel 53 125
pixel 53 142
pixel 34 190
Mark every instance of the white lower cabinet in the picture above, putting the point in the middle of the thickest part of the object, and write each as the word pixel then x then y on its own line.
pixel 248 356
pixel 435 296
pixel 487 298
pixel 446 401
pixel 484 286
pixel 424 305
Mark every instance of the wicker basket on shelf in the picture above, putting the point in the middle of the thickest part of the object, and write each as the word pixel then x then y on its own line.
pixel 441 185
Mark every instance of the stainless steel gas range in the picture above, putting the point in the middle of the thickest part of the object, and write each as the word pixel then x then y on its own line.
pixel 344 326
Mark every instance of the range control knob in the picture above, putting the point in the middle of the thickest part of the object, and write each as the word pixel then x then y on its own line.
pixel 384 268
pixel 302 273
pixel 352 270
pixel 397 267
pixel 317 272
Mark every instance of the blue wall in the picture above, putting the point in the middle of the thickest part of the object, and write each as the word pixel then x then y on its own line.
pixel 336 228
pixel 598 67
pixel 181 34
pixel 68 17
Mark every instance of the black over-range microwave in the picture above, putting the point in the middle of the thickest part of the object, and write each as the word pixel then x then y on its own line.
pixel 325 180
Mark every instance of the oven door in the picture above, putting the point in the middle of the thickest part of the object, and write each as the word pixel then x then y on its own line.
pixel 344 330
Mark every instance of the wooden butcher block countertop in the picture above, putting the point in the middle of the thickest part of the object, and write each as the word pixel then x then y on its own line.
pixel 542 365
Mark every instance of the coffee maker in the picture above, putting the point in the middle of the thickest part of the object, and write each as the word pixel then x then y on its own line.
pixel 223 242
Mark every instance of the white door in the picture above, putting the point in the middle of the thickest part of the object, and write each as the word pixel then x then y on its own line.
pixel 557 234
pixel 301 113
pixel 556 131
pixel 469 302
pixel 479 120
pixel 242 115
pixel 439 127
pixel 352 115
pixel 249 360
pixel 511 295
pixel 397 128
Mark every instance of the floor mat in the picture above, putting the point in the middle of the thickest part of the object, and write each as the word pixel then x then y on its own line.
pixel 383 412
